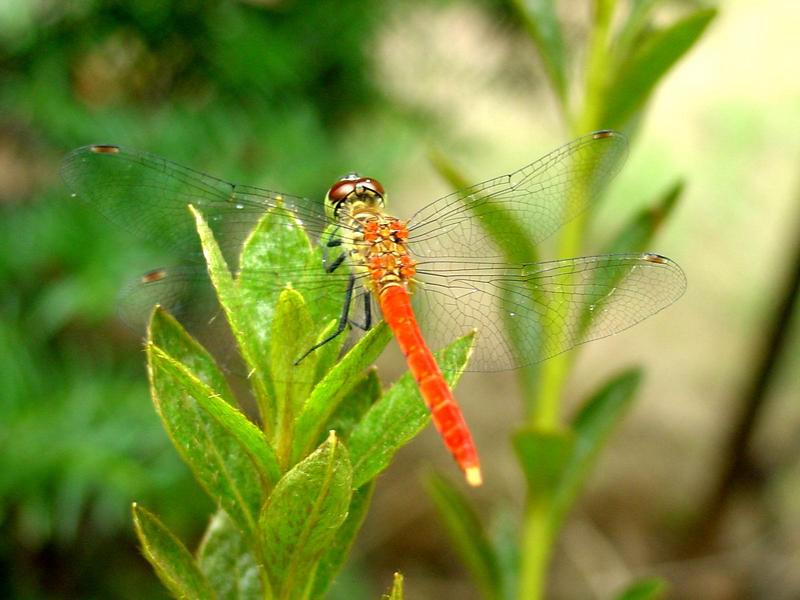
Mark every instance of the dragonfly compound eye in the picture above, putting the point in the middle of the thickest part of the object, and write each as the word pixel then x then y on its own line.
pixel 353 187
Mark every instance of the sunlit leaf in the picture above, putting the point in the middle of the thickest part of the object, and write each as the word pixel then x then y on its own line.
pixel 215 456
pixel 336 555
pixel 226 559
pixel 396 593
pixel 302 515
pixel 334 388
pixel 171 560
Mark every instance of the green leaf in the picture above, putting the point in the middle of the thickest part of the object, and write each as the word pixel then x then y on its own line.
pixel 592 426
pixel 396 593
pixel 301 517
pixel 292 336
pixel 543 456
pixel 399 415
pixel 634 27
pixel 363 395
pixel 333 559
pixel 506 534
pixel 171 560
pixel 277 254
pixel 198 370
pixel 638 76
pixel 225 559
pixel 638 233
pixel 335 387
pixel 466 533
pixel 242 329
pixel 215 456
pixel 169 335
pixel 234 422
pixel 650 588
pixel 541 21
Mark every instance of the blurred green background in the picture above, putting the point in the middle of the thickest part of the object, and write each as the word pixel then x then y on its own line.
pixel 290 95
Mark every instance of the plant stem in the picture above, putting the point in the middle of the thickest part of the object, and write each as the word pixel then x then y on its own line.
pixel 537 547
pixel 538 527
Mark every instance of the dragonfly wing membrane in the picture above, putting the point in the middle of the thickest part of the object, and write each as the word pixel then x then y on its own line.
pixel 148 196
pixel 496 217
pixel 530 312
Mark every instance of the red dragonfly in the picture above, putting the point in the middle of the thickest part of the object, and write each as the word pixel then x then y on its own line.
pixel 464 259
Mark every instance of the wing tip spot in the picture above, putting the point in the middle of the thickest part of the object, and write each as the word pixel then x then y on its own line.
pixel 104 149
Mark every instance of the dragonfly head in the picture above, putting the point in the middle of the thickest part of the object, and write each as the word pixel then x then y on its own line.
pixel 354 189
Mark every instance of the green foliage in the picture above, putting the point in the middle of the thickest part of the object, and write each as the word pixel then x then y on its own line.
pixel 467 534
pixel 299 522
pixel 625 59
pixel 172 561
pixel 651 588
pixel 262 93
pixel 290 505
pixel 396 593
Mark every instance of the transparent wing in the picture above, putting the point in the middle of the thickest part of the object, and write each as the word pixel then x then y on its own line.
pixel 148 195
pixel 525 207
pixel 530 312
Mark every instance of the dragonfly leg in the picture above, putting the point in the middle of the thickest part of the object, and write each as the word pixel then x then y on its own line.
pixel 341 326
pixel 367 324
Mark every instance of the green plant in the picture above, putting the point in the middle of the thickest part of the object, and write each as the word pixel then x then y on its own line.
pixel 622 67
pixel 291 493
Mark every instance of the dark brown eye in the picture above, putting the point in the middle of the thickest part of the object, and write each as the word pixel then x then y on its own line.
pixel 341 190
pixel 371 184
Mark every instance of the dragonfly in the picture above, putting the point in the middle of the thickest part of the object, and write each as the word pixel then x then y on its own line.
pixel 459 263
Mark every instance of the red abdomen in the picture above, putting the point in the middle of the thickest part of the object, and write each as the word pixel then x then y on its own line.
pixel 396 306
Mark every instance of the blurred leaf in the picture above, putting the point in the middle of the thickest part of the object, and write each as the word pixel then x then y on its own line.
pixel 171 560
pixel 466 534
pixel 634 26
pixel 638 233
pixel 638 76
pixel 399 415
pixel 650 588
pixel 592 426
pixel 543 456
pixel 215 456
pixel 336 555
pixel 224 557
pixel 300 520
pixel 506 544
pixel 363 395
pixel 396 593
pixel 541 21
pixel 230 300
pixel 329 393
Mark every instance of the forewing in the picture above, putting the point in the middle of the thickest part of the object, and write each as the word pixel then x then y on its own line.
pixel 497 217
pixel 530 312
pixel 148 195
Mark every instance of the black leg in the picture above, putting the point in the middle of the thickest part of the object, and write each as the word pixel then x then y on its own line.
pixel 367 324
pixel 330 268
pixel 342 325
